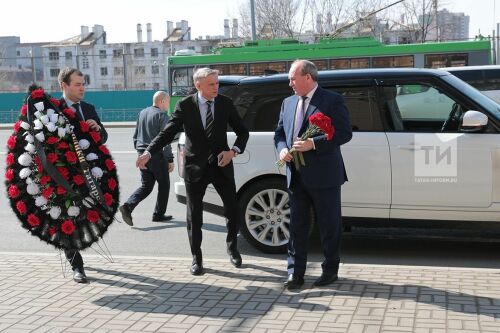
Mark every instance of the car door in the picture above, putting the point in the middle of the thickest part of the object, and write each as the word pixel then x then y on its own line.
pixel 434 169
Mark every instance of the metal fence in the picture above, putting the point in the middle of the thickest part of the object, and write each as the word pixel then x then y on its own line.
pixel 108 115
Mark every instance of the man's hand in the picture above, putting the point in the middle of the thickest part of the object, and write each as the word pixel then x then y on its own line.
pixel 285 155
pixel 171 166
pixel 225 157
pixel 93 125
pixel 305 145
pixel 142 160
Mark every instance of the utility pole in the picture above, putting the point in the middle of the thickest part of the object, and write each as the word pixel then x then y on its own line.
pixel 252 18
pixel 436 19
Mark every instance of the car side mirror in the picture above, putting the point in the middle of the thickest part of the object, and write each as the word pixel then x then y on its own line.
pixel 474 121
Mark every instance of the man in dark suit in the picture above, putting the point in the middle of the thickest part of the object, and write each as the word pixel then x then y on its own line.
pixel 204 117
pixel 73 86
pixel 150 122
pixel 318 182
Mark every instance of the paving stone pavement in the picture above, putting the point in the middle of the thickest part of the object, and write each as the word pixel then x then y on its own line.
pixel 145 294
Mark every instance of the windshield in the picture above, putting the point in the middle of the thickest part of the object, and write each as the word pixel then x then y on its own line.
pixel 474 94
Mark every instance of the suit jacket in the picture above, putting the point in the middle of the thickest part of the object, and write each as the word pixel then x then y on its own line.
pixel 324 165
pixel 186 117
pixel 89 112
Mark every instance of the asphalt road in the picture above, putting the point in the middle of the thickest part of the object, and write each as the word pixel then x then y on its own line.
pixel 148 238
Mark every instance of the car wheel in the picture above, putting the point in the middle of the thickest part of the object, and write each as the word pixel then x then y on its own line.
pixel 264 209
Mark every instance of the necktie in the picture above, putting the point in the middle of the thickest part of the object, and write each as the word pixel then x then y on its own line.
pixel 209 123
pixel 299 118
pixel 79 114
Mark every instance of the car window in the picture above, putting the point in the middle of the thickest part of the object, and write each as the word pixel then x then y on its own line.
pixel 362 106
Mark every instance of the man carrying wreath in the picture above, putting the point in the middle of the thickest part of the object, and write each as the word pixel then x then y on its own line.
pixel 317 179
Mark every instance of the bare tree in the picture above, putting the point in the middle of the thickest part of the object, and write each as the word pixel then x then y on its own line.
pixel 420 15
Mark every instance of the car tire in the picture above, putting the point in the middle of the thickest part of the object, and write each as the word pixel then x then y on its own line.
pixel 265 214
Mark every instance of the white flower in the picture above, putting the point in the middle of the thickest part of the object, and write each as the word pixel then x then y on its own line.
pixel 38 124
pixel 84 144
pixel 91 157
pixel 30 148
pixel 54 118
pixel 54 212
pixel 25 159
pixel 29 180
pixel 61 120
pixel 24 173
pixel 29 138
pixel 39 106
pixel 51 127
pixel 73 211
pixel 50 112
pixel 25 125
pixel 32 188
pixel 45 119
pixel 40 201
pixel 96 172
pixel 61 132
pixel 40 137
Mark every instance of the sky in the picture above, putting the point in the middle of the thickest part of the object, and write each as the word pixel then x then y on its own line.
pixel 54 20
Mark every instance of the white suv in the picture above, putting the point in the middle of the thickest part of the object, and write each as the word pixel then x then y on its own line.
pixel 425 148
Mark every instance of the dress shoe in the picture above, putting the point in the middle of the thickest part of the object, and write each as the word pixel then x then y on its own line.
pixel 79 275
pixel 235 258
pixel 162 218
pixel 294 282
pixel 126 214
pixel 326 278
pixel 196 267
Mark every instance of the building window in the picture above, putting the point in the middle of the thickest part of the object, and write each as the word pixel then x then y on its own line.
pixel 140 86
pixel 102 54
pixel 140 70
pixel 118 86
pixel 86 78
pixel 156 86
pixel 104 71
pixel 54 72
pixel 139 53
pixel 53 55
pixel 18 53
pixel 117 53
pixel 105 87
pixel 85 60
pixel 118 71
pixel 154 52
pixel 68 55
pixel 155 69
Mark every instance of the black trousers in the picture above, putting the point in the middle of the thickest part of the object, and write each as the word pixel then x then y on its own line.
pixel 157 171
pixel 195 191
pixel 75 258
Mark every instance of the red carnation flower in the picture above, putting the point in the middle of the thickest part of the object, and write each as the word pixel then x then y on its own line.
pixel 64 172
pixel 69 113
pixel 112 183
pixel 10 159
pixel 14 191
pixel 33 220
pixel 21 207
pixel 62 145
pixel 95 136
pixel 70 157
pixel 78 180
pixel 110 164
pixel 17 126
pixel 104 149
pixel 68 227
pixel 51 231
pixel 11 142
pixel 56 102
pixel 51 140
pixel 60 190
pixel 9 175
pixel 24 110
pixel 108 199
pixel 52 157
pixel 93 216
pixel 84 127
pixel 324 123
pixel 45 179
pixel 48 192
pixel 37 93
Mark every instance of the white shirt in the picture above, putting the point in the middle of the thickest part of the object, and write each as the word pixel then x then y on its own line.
pixel 70 104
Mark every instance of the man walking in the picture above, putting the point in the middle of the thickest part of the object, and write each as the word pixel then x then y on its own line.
pixel 150 122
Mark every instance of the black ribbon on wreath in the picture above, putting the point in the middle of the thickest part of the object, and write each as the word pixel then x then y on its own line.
pixel 61 180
